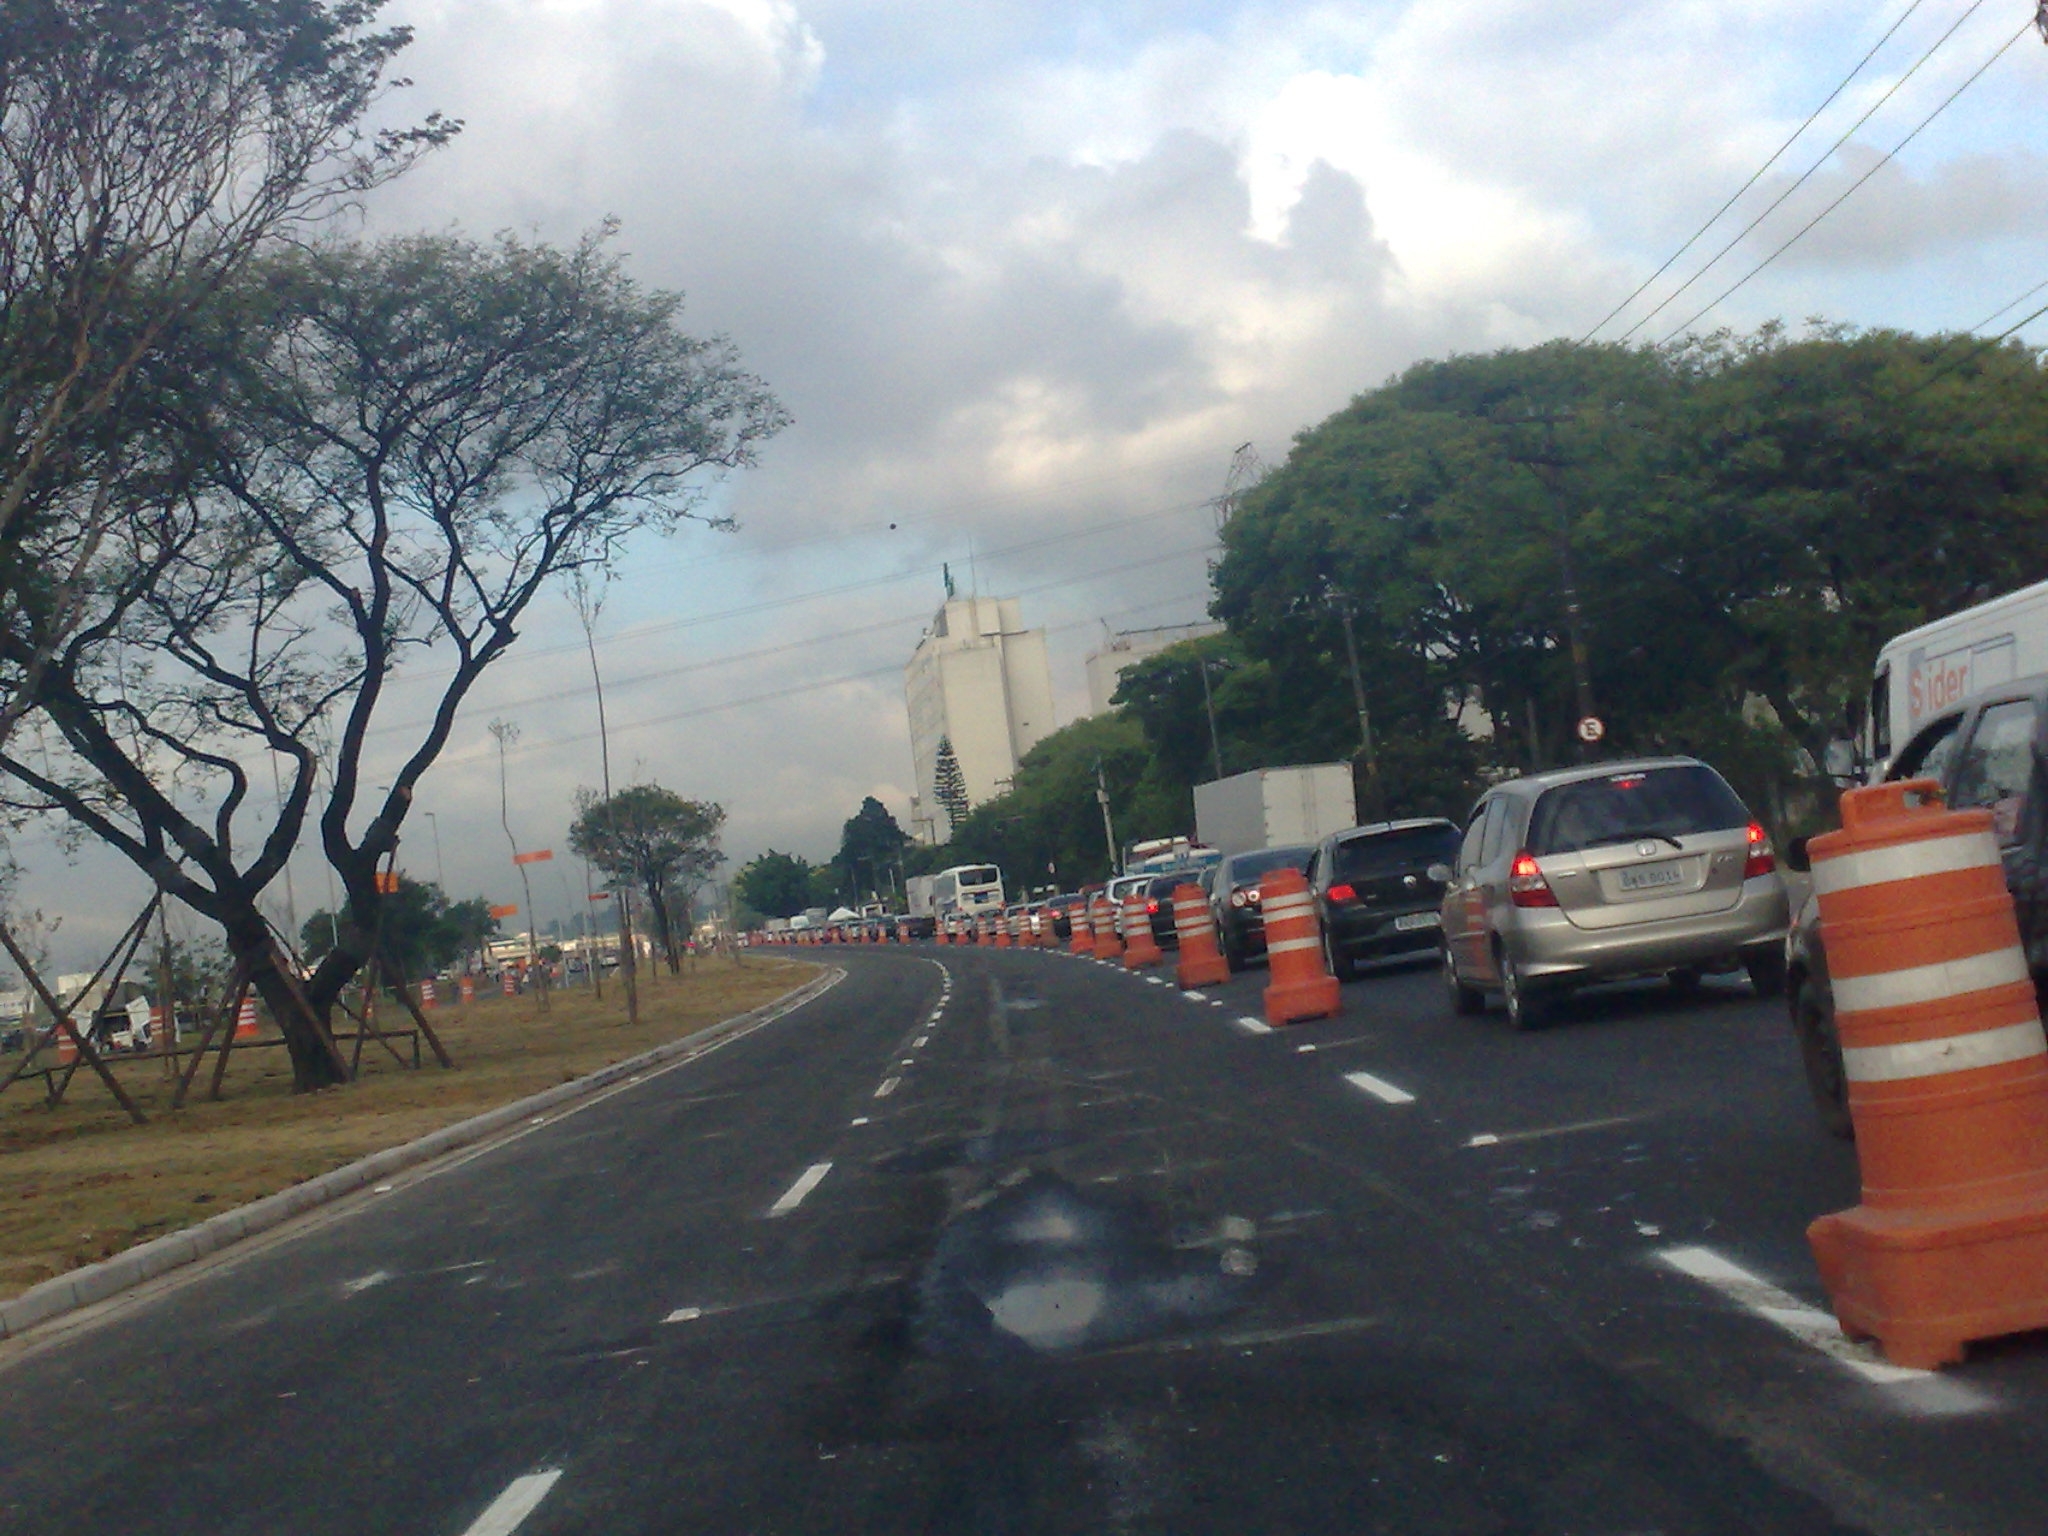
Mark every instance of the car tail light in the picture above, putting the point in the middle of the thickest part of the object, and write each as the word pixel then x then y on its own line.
pixel 1526 885
pixel 1763 858
pixel 1151 905
pixel 1343 893
pixel 1239 898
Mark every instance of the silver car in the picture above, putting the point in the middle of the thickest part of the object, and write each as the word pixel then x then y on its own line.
pixel 1587 874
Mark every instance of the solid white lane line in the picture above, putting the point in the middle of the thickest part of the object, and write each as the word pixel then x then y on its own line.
pixel 807 1181
pixel 1256 1026
pixel 509 1509
pixel 1809 1325
pixel 1379 1088
pixel 684 1315
pixel 888 1087
pixel 1195 997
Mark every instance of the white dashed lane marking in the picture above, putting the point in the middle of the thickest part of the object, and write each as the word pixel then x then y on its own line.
pixel 889 1085
pixel 1379 1088
pixel 684 1315
pixel 806 1181
pixel 918 1043
pixel 1815 1328
pixel 1256 1026
pixel 509 1509
pixel 1195 997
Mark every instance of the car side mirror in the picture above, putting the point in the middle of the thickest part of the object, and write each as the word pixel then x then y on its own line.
pixel 1440 873
pixel 1796 857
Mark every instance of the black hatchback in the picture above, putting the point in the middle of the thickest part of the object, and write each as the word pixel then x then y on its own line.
pixel 1375 893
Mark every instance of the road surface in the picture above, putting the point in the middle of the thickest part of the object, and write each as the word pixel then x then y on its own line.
pixel 1006 1242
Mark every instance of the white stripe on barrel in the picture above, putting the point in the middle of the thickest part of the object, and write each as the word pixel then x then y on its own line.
pixel 1935 983
pixel 1290 946
pixel 1905 861
pixel 1953 1053
pixel 1289 906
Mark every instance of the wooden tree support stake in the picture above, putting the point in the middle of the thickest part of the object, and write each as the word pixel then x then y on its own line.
pixel 84 1046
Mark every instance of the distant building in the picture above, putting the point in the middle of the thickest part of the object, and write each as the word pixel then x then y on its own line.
pixel 1126 648
pixel 982 682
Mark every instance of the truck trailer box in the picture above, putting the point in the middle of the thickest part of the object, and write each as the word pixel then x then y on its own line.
pixel 1271 807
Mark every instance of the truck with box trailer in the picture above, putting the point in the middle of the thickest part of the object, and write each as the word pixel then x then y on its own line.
pixel 1269 807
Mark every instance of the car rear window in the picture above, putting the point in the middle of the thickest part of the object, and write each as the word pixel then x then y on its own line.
pixel 1387 853
pixel 1642 802
pixel 1249 866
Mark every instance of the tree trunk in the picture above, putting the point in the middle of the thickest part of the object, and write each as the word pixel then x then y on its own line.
pixel 664 929
pixel 308 1038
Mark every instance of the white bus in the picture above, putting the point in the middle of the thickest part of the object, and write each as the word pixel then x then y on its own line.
pixel 969 889
pixel 1935 667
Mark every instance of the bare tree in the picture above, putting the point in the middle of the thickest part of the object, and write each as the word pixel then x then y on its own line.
pixel 402 444
pixel 148 149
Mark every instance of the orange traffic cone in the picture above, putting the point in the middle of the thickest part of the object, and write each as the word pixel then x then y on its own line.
pixel 245 1018
pixel 1102 917
pixel 1200 963
pixel 1948 1081
pixel 1299 987
pixel 1140 948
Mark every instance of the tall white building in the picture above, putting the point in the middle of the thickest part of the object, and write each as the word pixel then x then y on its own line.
pixel 982 681
pixel 1125 649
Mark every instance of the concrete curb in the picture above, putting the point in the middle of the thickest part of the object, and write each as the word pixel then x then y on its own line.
pixel 96 1282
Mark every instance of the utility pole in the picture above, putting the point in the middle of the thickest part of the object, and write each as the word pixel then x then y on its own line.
pixel 587 605
pixel 506 732
pixel 1209 704
pixel 1346 606
pixel 1547 467
pixel 434 825
pixel 1108 826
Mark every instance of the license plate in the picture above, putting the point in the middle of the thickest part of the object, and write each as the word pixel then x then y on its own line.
pixel 1414 920
pixel 1651 876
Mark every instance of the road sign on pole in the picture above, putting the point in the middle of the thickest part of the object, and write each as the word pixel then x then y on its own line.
pixel 1591 729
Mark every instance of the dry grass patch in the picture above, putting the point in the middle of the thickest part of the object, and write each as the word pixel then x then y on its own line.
pixel 79 1183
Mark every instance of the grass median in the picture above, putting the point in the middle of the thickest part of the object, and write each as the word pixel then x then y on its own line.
pixel 79 1182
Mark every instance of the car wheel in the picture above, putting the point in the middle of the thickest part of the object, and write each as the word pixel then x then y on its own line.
pixel 1527 1009
pixel 1465 1001
pixel 1766 969
pixel 1685 981
pixel 1233 953
pixel 1338 959
pixel 1820 1052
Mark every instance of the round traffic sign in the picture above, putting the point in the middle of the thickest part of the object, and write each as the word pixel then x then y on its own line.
pixel 1592 728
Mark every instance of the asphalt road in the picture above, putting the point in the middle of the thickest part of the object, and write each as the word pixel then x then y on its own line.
pixel 1007 1242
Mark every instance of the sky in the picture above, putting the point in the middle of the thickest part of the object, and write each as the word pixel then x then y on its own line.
pixel 1027 275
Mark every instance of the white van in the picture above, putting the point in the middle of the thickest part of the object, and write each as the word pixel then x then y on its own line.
pixel 1935 667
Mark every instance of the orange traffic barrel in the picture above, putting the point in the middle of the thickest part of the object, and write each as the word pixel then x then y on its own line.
pixel 426 994
pixel 1947 1073
pixel 1002 926
pixel 468 990
pixel 1102 917
pixel 1081 928
pixel 1048 928
pixel 942 930
pixel 245 1017
pixel 1200 962
pixel 1299 988
pixel 1140 948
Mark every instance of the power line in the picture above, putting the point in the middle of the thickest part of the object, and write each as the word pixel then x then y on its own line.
pixel 1808 174
pixel 1946 102
pixel 1756 175
pixel 791 691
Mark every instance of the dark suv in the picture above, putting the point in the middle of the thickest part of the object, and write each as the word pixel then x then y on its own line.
pixel 1375 892
pixel 1986 752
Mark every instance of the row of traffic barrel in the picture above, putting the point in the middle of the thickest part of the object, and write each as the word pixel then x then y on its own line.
pixel 1299 987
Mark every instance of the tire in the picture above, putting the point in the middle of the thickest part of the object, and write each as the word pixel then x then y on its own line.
pixel 1466 1002
pixel 1766 969
pixel 1234 959
pixel 1685 981
pixel 1820 1053
pixel 1338 959
pixel 1526 1010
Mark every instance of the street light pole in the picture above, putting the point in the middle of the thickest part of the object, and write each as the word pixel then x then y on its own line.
pixel 434 825
pixel 1345 606
pixel 1209 705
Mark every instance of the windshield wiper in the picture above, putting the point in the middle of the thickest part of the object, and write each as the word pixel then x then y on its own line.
pixel 1630 837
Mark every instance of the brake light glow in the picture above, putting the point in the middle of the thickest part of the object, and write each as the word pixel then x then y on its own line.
pixel 1151 905
pixel 1763 858
pixel 1343 893
pixel 1526 885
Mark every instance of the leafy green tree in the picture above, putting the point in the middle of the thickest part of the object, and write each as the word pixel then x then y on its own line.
pixel 423 932
pixel 775 884
pixel 658 842
pixel 400 445
pixel 870 848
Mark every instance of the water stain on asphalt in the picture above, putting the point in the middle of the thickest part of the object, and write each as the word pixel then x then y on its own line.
pixel 1042 1269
